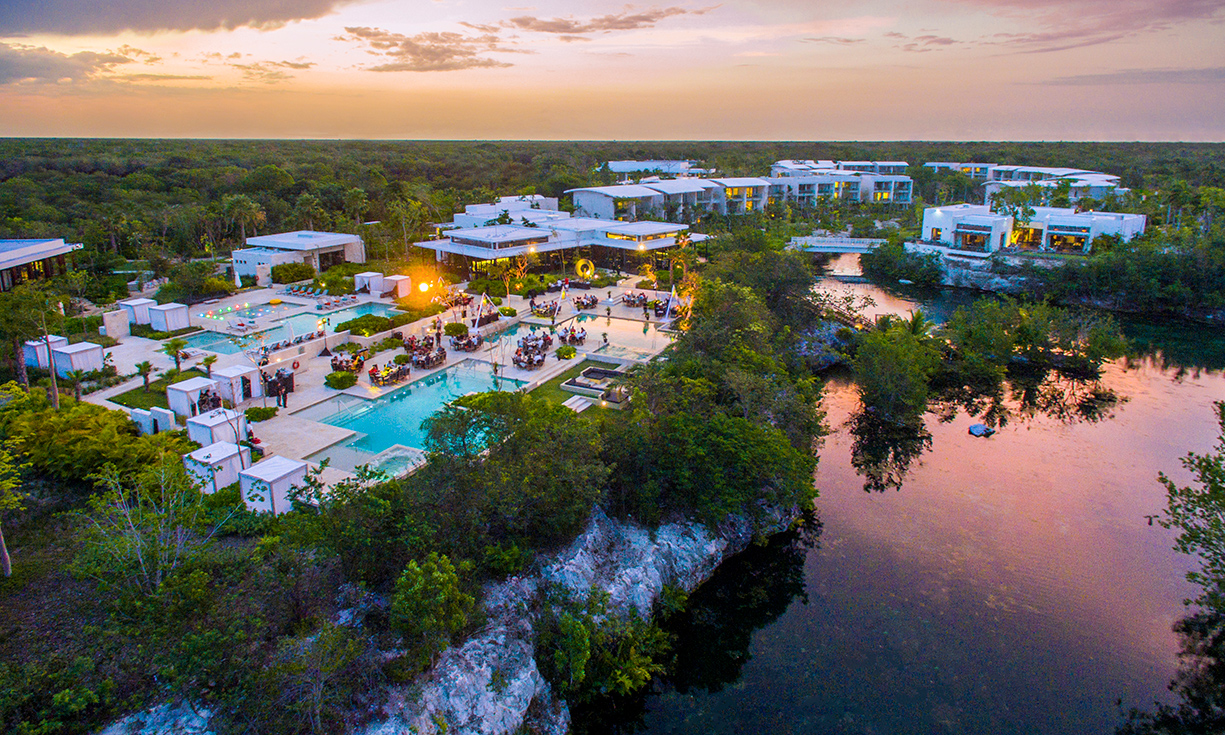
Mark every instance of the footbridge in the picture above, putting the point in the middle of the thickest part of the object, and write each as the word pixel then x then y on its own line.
pixel 815 244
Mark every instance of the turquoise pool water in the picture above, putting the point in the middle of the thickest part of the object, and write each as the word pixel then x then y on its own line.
pixel 247 311
pixel 395 418
pixel 286 328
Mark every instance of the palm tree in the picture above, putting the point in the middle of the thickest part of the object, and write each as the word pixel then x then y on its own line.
pixel 309 209
pixel 356 203
pixel 76 377
pixel 144 369
pixel 242 210
pixel 919 325
pixel 174 348
pixel 207 363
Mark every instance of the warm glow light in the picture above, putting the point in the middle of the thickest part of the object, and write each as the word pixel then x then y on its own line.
pixel 532 249
pixel 424 287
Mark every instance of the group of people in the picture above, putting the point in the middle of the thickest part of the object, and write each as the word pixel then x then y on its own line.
pixel 572 335
pixel 629 298
pixel 453 300
pixel 532 349
pixel 431 359
pixel 586 302
pixel 352 363
pixel 467 343
pixel 279 386
pixel 207 401
pixel 390 374
pixel 549 309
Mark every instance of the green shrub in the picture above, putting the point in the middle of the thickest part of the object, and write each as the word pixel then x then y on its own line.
pixel 892 262
pixel 455 329
pixel 292 272
pixel 401 359
pixel 566 352
pixel 497 301
pixel 413 313
pixel 340 380
pixel 387 343
pixel 260 413
pixel 365 325
pixel 504 561
pixel 347 347
pixel 508 311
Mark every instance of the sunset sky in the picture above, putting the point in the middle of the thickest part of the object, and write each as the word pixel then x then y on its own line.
pixel 739 69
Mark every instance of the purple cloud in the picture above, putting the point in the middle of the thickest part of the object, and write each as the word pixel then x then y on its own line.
pixel 74 17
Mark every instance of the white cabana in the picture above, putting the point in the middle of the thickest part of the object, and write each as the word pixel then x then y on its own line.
pixel 138 310
pixel 83 356
pixel 238 383
pixel 218 425
pixel 35 351
pixel 169 317
pixel 266 484
pixel 370 282
pixel 217 465
pixel 184 396
pixel 397 286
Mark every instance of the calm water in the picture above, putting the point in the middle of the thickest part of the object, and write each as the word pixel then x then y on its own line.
pixel 1001 585
pixel 286 328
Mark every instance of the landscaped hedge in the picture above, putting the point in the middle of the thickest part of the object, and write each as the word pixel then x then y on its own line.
pixel 371 324
pixel 260 413
pixel 292 272
pixel 341 379
pixel 455 329
pixel 508 311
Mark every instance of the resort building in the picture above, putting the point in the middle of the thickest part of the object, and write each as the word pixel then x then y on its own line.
pixel 623 202
pixel 322 250
pixel 975 228
pixel 528 208
pixel 627 170
pixel 975 171
pixel 1081 184
pixel 27 260
pixel 609 244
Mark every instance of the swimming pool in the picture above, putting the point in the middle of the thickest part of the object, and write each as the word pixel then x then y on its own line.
pixel 217 342
pixel 392 422
pixel 284 329
pixel 246 311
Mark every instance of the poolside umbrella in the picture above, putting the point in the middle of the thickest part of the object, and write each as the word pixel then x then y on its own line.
pixel 237 279
pixel 326 352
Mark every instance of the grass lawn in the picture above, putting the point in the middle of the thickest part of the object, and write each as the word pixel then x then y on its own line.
pixel 552 392
pixel 138 398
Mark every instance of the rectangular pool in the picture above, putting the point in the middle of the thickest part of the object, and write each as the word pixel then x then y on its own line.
pixel 247 311
pixel 392 422
pixel 283 329
pixel 217 342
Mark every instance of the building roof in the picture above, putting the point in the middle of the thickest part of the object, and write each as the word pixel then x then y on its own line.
pixel 53 339
pixel 500 233
pixel 64 349
pixel 623 191
pixel 137 302
pixel 19 252
pixel 678 186
pixel 644 228
pixel 196 383
pixel 273 468
pixel 742 181
pixel 669 167
pixel 235 371
pixel 302 240
pixel 214 453
pixel 216 417
pixel 172 306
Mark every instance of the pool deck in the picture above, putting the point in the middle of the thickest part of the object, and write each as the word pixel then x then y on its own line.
pixel 296 437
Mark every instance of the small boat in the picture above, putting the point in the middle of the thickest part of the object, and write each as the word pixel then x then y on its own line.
pixel 981 430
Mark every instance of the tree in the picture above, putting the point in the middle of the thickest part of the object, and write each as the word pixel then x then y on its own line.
pixel 429 605
pixel 143 369
pixel 174 348
pixel 892 367
pixel 76 378
pixel 141 531
pixel 207 364
pixel 1198 513
pixel 503 271
pixel 10 499
pixel 408 215
pixel 308 210
pixel 356 203
pixel 242 210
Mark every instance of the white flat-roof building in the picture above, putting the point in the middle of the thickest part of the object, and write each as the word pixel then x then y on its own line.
pixel 975 228
pixel 217 466
pixel 183 397
pixel 321 250
pixel 137 309
pixel 621 202
pixel 26 260
pixel 238 383
pixel 266 484
pixel 626 170
pixel 1081 184
pixel 218 425
pixel 169 317
pixel 35 351
pixel 976 171
pixel 529 207
pixel 84 356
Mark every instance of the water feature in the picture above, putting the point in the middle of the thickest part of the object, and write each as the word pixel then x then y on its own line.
pixel 960 585
pixel 394 419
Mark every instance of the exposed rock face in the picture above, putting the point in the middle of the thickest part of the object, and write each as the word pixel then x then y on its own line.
pixel 489 684
pixel 996 275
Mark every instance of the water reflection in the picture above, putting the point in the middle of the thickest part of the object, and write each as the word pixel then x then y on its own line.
pixel 883 451
pixel 712 635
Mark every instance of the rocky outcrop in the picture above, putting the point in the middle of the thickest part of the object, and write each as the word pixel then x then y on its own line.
pixel 489 684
